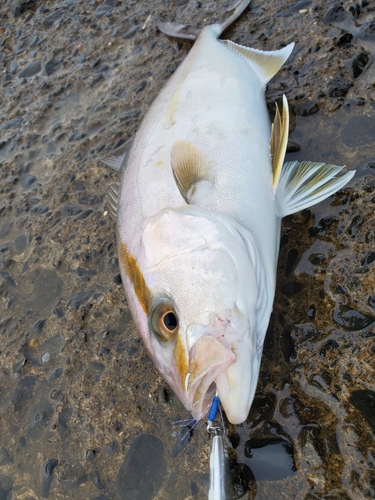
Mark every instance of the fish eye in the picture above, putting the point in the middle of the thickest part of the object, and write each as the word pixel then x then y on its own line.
pixel 164 321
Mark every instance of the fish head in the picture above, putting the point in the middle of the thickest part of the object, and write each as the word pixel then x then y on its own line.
pixel 192 284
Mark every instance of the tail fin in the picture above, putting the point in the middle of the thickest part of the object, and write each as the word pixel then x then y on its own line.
pixel 181 31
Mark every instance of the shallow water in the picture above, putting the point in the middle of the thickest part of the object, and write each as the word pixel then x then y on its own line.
pixel 83 413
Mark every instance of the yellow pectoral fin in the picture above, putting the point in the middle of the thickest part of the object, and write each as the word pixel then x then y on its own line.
pixel 190 166
pixel 279 141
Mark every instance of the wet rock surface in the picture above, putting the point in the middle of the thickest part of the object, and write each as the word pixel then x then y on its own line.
pixel 83 412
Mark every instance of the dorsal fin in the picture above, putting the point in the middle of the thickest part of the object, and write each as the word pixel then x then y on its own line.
pixel 279 140
pixel 266 64
pixel 190 166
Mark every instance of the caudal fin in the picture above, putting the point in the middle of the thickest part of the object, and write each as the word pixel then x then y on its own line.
pixel 181 31
pixel 304 184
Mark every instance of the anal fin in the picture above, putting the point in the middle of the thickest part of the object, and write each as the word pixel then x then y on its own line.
pixel 112 199
pixel 304 184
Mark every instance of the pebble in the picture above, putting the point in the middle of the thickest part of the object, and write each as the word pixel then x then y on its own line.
pixel 54 18
pixel 20 243
pixel 39 325
pixel 31 69
pixel 80 298
pixel 84 214
pixel 143 470
pixel 52 66
pixel 94 478
pixel 103 10
pixel 131 32
pixel 27 181
pixel 56 374
pixel 13 67
pixel 367 30
pixel 47 471
pixel 46 357
pixel 306 108
pixel 358 64
pixel 368 259
pixel 355 225
pixel 12 123
pixel 76 136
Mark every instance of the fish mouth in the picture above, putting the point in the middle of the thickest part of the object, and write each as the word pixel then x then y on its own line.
pixel 209 358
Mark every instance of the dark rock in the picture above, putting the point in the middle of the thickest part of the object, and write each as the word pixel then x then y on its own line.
pixel 7 78
pixel 364 401
pixel 43 209
pixel 311 313
pixel 355 10
pixel 112 447
pixel 128 116
pixel 12 123
pixel 59 311
pixel 47 471
pixel 54 18
pixel 371 301
pixel 140 86
pixel 332 344
pixel 323 226
pixel 338 87
pixel 18 8
pixel 103 10
pixel 97 366
pixel 27 181
pixel 117 279
pixel 52 66
pixel 317 259
pixel 351 319
pixel 131 32
pixel 76 136
pixel 344 39
pixel 94 478
pixel 288 347
pixel 79 298
pixel 369 259
pixel 38 327
pixel 90 200
pixel 4 230
pixel 355 225
pixel 20 243
pixel 291 261
pixel 292 146
pixel 70 209
pixel 84 214
pixel 306 108
pixel 335 13
pixel 143 470
pixel 358 64
pixel 243 481
pixel 292 288
pixel 31 69
pixel 56 374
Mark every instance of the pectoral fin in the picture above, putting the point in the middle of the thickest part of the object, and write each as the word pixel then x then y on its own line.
pixel 304 184
pixel 279 140
pixel 190 168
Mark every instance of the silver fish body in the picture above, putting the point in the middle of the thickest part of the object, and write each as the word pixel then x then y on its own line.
pixel 199 210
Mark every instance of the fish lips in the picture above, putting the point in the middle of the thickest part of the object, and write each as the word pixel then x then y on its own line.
pixel 209 357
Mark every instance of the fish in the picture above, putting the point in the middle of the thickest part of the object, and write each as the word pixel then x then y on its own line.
pixel 198 214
